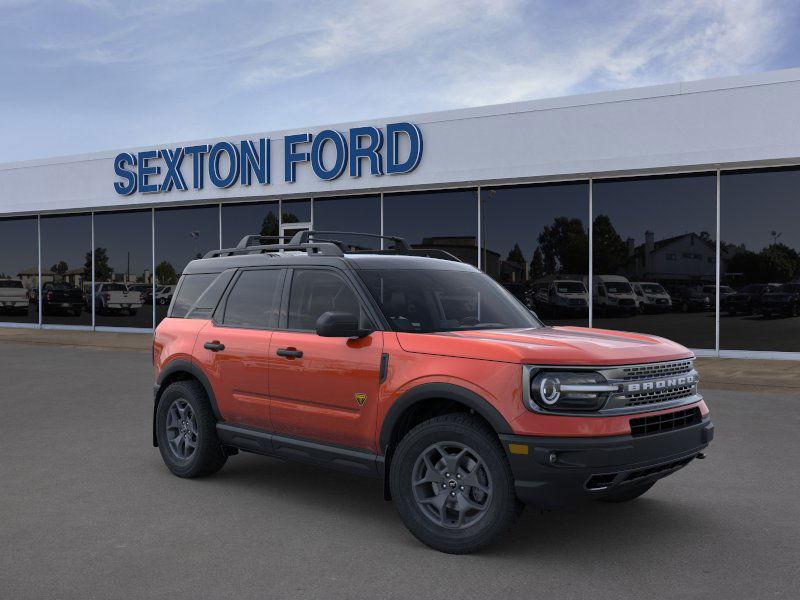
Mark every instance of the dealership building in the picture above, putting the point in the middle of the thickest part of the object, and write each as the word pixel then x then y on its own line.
pixel 672 210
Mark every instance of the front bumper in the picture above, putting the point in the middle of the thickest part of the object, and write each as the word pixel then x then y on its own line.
pixel 587 468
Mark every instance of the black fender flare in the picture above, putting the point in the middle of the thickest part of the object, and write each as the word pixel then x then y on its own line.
pixel 446 391
pixel 183 366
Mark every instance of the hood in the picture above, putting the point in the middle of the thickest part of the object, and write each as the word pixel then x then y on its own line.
pixel 547 346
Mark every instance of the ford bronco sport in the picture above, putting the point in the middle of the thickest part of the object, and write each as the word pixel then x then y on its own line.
pixel 420 371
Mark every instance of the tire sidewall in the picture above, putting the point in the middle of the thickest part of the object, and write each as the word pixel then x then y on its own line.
pixel 502 502
pixel 181 467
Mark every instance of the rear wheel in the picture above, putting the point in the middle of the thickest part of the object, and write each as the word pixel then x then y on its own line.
pixel 186 431
pixel 627 494
pixel 452 485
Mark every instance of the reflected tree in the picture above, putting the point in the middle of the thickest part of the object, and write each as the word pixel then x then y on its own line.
pixel 102 270
pixel 564 246
pixel 166 274
pixel 60 268
pixel 610 250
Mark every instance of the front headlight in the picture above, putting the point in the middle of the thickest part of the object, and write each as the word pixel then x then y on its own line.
pixel 569 391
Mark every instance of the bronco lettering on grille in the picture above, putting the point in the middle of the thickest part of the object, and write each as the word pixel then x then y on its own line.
pixel 660 384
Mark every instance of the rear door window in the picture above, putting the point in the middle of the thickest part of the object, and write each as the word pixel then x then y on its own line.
pixel 317 291
pixel 254 300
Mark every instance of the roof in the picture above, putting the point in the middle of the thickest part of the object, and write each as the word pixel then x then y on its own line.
pixel 352 261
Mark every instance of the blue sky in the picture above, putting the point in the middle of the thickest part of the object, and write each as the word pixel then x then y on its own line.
pixel 86 75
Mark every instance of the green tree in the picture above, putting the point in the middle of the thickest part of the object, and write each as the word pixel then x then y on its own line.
pixel 102 270
pixel 564 246
pixel 269 226
pixel 515 255
pixel 536 270
pixel 60 268
pixel 166 274
pixel 610 250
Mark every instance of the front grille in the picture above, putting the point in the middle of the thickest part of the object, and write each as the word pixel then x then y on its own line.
pixel 627 301
pixel 649 371
pixel 577 302
pixel 654 397
pixel 664 422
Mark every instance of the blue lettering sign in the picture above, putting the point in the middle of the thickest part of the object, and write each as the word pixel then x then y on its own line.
pixel 228 163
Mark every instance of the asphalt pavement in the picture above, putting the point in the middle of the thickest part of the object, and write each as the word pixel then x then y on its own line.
pixel 87 510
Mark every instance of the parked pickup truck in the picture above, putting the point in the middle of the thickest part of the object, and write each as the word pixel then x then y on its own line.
pixel 61 297
pixel 111 298
pixel 13 296
pixel 784 301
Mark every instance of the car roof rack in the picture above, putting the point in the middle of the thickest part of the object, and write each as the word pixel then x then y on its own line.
pixel 400 244
pixel 253 244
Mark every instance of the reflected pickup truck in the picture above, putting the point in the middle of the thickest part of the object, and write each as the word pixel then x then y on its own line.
pixel 422 372
pixel 13 296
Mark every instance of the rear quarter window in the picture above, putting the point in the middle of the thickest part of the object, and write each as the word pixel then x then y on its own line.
pixel 190 288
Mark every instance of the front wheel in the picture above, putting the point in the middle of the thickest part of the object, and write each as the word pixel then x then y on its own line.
pixel 186 431
pixel 452 485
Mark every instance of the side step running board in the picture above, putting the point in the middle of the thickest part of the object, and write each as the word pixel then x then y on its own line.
pixel 358 462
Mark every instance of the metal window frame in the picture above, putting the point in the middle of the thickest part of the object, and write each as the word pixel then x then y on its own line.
pixel 717 351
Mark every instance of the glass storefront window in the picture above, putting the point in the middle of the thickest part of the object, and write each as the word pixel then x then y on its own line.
pixel 760 260
pixel 445 220
pixel 296 211
pixel 535 241
pixel 123 269
pixel 252 218
pixel 654 256
pixel 19 270
pixel 355 213
pixel 67 269
pixel 182 235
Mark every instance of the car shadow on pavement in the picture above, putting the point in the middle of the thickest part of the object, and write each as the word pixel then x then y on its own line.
pixel 587 529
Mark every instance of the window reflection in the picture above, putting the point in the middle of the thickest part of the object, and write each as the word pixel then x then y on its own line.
pixel 123 269
pixel 760 260
pixel 535 241
pixel 359 213
pixel 252 218
pixel 19 270
pixel 67 269
pixel 446 221
pixel 182 235
pixel 654 256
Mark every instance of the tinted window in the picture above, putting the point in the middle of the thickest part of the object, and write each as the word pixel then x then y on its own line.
pixel 182 235
pixel 656 230
pixel 19 265
pixel 189 290
pixel 316 291
pixel 445 221
pixel 67 261
pixel 534 235
pixel 428 301
pixel 296 211
pixel 254 299
pixel 360 213
pixel 760 244
pixel 123 262
pixel 239 220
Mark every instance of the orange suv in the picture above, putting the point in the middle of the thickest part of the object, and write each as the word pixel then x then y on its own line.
pixel 420 371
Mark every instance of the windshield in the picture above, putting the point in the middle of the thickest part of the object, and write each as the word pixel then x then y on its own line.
pixel 430 301
pixel 653 288
pixel 570 287
pixel 10 283
pixel 618 287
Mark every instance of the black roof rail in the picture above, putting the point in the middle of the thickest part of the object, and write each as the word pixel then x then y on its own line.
pixel 321 248
pixel 400 244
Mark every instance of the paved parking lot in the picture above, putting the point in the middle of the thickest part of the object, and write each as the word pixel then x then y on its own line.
pixel 89 511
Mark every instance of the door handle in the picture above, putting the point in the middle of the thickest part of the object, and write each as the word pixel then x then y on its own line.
pixel 214 346
pixel 290 352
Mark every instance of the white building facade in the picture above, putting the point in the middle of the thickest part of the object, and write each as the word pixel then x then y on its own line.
pixel 603 184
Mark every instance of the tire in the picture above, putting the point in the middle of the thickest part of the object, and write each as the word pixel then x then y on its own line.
pixel 627 494
pixel 483 513
pixel 207 456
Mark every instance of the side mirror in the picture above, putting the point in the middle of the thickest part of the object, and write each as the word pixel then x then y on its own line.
pixel 340 324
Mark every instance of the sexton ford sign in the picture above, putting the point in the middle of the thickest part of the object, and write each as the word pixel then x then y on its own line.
pixel 225 164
